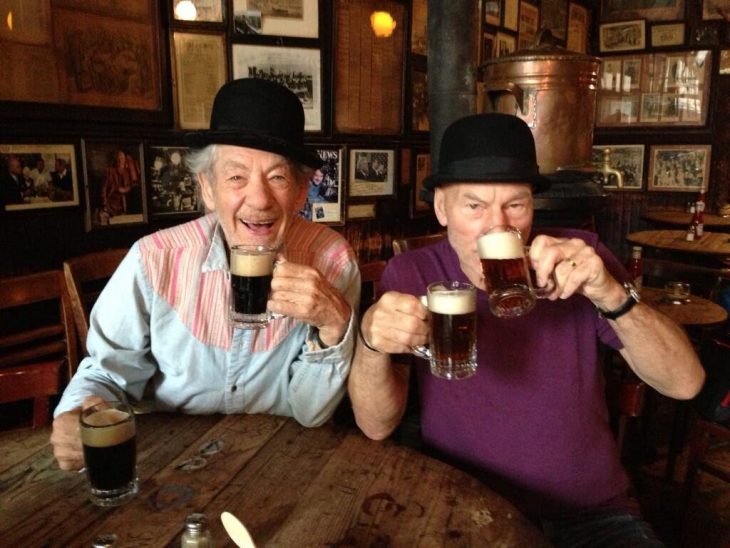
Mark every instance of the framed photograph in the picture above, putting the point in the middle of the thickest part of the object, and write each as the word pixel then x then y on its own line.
pixel 422 169
pixel 716 9
pixel 622 36
pixel 511 12
pixel 493 12
pixel 631 74
pixel 554 16
pixel 487 46
pixel 577 28
pixel 298 18
pixel 38 176
pixel 504 44
pixel 115 183
pixel 372 172
pixel 419 100
pixel 666 10
pixel 325 197
pixel 204 11
pixel 618 110
pixel 628 159
pixel 669 34
pixel 529 23
pixel 299 69
pixel 200 70
pixel 724 66
pixel 173 190
pixel 419 27
pixel 360 212
pixel 679 168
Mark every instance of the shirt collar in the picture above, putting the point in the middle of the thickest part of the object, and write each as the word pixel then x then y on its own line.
pixel 217 258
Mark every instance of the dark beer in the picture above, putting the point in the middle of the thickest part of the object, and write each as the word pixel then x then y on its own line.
pixel 111 467
pixel 250 293
pixel 453 330
pixel 502 273
pixel 251 273
pixel 454 336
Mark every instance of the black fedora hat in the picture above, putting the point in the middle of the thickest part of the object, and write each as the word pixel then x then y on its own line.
pixel 487 148
pixel 260 114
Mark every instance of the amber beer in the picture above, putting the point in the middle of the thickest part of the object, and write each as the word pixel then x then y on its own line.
pixel 251 273
pixel 108 437
pixel 452 307
pixel 506 273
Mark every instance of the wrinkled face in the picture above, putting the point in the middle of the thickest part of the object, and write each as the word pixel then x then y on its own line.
pixel 468 210
pixel 254 193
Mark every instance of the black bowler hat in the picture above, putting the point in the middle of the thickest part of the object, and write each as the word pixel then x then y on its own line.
pixel 256 113
pixel 488 148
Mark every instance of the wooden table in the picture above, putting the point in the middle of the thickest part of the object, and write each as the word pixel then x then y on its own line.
pixel 681 218
pixel 712 244
pixel 291 486
pixel 698 311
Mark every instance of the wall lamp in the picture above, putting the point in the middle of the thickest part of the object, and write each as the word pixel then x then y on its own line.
pixel 382 23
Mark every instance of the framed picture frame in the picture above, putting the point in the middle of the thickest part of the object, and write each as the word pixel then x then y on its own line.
pixel 622 36
pixel 618 110
pixel 493 12
pixel 326 192
pixel 504 44
pixel 667 10
pixel 299 69
pixel 679 168
pixel 298 19
pixel 577 28
pixel 529 24
pixel 628 159
pixel 715 9
pixel 372 172
pixel 361 212
pixel 421 170
pixel 511 14
pixel 205 11
pixel 724 65
pixel 488 41
pixel 115 183
pixel 419 100
pixel 667 34
pixel 419 27
pixel 200 70
pixel 172 188
pixel 554 16
pixel 36 176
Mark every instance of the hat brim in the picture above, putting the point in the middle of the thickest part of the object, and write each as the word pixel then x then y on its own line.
pixel 538 182
pixel 301 154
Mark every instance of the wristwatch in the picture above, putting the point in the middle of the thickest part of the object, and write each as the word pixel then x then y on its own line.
pixel 632 298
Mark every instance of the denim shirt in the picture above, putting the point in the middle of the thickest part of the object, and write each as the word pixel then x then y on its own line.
pixel 159 331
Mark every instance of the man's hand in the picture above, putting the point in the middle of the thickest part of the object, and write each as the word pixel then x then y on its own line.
pixel 396 323
pixel 301 292
pixel 66 436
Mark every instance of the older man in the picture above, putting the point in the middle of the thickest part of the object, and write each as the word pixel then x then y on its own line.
pixel 533 420
pixel 160 327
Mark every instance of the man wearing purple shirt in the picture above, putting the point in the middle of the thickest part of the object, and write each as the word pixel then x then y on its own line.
pixel 532 422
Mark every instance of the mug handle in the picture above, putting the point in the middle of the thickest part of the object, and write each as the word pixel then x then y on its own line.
pixel 422 351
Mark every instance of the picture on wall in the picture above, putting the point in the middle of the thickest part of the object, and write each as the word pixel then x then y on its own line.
pixel 325 195
pixel 299 69
pixel 420 207
pixel 298 18
pixel 651 10
pixel 115 183
pixel 628 159
pixel 173 191
pixel 682 168
pixel 38 176
pixel 529 23
pixel 372 172
pixel 623 36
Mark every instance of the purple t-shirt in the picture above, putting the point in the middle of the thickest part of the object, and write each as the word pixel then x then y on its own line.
pixel 532 422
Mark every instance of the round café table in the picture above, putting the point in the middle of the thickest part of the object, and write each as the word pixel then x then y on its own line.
pixel 697 311
pixel 715 245
pixel 675 217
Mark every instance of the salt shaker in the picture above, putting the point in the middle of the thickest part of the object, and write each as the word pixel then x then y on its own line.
pixel 105 541
pixel 196 534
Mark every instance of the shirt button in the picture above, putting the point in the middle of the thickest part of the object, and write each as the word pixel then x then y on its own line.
pixel 234 388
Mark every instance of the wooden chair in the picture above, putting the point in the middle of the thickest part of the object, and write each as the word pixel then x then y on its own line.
pixel 86 275
pixel 401 245
pixel 37 340
pixel 370 274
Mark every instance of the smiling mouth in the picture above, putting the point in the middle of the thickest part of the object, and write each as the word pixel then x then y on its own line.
pixel 258 226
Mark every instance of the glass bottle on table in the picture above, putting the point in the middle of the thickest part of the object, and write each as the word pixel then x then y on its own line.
pixel 196 534
pixel 700 220
pixel 635 267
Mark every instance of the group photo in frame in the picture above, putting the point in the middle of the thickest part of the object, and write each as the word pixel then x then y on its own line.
pixel 372 172
pixel 679 168
pixel 622 36
pixel 296 18
pixel 38 176
pixel 325 192
pixel 115 183
pixel 298 69
pixel 628 159
pixel 172 187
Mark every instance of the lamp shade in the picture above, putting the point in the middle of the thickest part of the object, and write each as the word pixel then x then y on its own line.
pixel 382 23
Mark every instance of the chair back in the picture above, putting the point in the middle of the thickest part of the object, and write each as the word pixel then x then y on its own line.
pixel 86 275
pixel 37 340
pixel 370 274
pixel 401 245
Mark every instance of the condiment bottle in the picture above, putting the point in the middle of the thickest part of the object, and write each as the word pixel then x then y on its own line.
pixel 635 267
pixel 105 541
pixel 196 534
pixel 690 236
pixel 700 222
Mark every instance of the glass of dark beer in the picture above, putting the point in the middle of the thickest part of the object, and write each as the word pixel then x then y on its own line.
pixel 506 272
pixel 452 350
pixel 252 268
pixel 108 436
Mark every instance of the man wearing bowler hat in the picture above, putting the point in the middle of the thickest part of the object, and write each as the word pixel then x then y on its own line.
pixel 160 328
pixel 532 422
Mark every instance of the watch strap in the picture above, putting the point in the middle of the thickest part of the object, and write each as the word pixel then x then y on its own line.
pixel 632 297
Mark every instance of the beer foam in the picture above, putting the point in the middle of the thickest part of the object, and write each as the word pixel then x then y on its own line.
pixel 500 245
pixel 452 302
pixel 107 427
pixel 252 264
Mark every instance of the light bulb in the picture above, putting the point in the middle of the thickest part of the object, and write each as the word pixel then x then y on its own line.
pixel 382 23
pixel 185 10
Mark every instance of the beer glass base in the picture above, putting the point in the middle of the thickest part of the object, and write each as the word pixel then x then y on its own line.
pixel 511 303
pixel 449 370
pixel 114 497
pixel 250 321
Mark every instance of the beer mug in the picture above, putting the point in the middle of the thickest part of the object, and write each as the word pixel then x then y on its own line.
pixel 109 440
pixel 452 350
pixel 252 267
pixel 507 275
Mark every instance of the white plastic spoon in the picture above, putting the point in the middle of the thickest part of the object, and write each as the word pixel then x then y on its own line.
pixel 237 531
